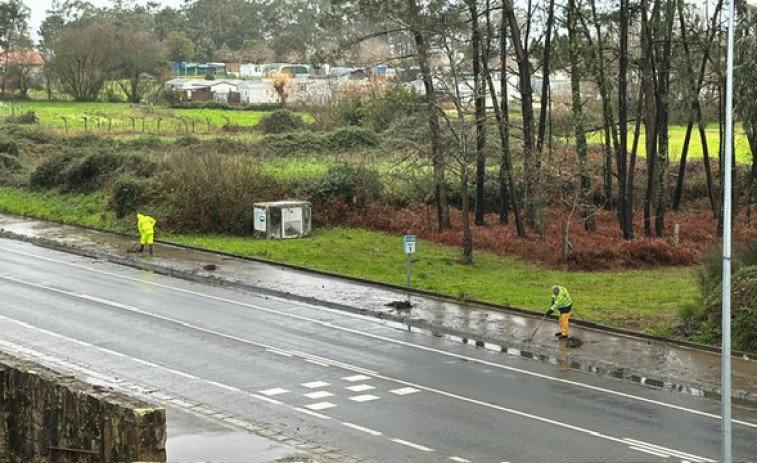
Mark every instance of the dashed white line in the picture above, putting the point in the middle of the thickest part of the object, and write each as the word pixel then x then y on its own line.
pixel 315 384
pixel 356 378
pixel 318 395
pixel 360 388
pixel 413 445
pixel 363 429
pixel 364 398
pixel 459 460
pixel 321 406
pixel 312 413
pixel 275 391
pixel 404 391
pixel 224 386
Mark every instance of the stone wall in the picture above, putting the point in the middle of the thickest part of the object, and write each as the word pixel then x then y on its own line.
pixel 44 413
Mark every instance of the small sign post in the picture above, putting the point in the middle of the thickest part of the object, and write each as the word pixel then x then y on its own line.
pixel 409 241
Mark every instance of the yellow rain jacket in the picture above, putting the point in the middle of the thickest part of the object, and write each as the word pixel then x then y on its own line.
pixel 146 225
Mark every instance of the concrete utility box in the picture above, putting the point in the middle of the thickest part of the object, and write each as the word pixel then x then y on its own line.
pixel 281 219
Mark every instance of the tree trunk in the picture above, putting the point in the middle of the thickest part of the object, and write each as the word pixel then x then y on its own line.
pixel 467 235
pixel 625 205
pixel 649 74
pixel 611 143
pixel 531 167
pixel 662 103
pixel 578 119
pixel 479 91
pixel 437 154
pixel 546 70
pixel 501 112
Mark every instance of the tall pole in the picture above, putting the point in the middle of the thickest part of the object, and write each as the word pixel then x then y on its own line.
pixel 725 371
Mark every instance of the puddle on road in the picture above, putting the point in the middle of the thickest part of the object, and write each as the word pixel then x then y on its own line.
pixel 226 447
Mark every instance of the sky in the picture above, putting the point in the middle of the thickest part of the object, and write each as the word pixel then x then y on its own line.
pixel 39 10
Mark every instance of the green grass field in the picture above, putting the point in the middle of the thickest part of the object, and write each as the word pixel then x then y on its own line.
pixel 125 117
pixel 118 118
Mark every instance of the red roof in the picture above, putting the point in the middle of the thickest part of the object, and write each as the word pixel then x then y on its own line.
pixel 23 57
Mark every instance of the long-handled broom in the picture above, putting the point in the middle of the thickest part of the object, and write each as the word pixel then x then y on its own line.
pixel 537 327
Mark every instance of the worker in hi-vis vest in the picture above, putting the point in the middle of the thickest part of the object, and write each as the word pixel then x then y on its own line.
pixel 562 303
pixel 146 225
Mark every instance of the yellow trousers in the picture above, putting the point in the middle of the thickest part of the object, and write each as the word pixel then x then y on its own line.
pixel 564 322
pixel 146 237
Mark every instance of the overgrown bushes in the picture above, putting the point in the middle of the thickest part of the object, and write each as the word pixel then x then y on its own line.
pixel 211 193
pixel 28 117
pixel 281 121
pixel 303 142
pixel 704 323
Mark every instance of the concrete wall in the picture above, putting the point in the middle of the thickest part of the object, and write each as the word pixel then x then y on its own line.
pixel 42 412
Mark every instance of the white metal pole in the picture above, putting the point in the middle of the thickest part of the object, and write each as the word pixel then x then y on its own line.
pixel 725 380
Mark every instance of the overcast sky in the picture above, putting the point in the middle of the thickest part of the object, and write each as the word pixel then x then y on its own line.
pixel 39 10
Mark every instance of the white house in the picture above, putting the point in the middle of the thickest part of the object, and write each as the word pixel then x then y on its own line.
pixel 257 92
pixel 204 90
pixel 250 70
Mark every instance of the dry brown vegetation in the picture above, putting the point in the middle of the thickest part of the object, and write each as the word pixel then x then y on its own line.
pixel 603 250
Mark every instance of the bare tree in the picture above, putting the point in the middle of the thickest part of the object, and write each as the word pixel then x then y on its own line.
pixel 578 117
pixel 520 41
pixel 82 60
pixel 695 83
pixel 506 176
pixel 625 184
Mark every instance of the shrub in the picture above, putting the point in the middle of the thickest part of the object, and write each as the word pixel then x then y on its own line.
pixel 350 184
pixel 293 142
pixel 149 142
pixel 34 134
pixel 187 140
pixel 213 193
pixel 9 147
pixel 124 196
pixel 348 138
pixel 90 173
pixel 743 310
pixel 395 102
pixel 281 121
pixel 9 162
pixel 28 117
pixel 51 173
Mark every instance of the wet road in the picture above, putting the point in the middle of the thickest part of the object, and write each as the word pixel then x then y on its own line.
pixel 357 388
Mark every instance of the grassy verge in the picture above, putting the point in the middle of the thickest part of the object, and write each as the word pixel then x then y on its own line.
pixel 641 299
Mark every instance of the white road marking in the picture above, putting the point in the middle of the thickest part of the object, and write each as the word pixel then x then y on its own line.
pixel 224 386
pixel 356 378
pixel 321 406
pixel 318 395
pixel 276 391
pixel 415 446
pixel 459 460
pixel 360 388
pixel 312 413
pixel 405 391
pixel 637 444
pixel 364 398
pixel 363 429
pixel 315 384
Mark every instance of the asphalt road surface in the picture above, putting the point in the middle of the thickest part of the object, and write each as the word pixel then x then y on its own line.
pixel 364 389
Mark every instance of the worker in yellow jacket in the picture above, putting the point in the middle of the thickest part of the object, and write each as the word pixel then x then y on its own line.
pixel 561 302
pixel 146 225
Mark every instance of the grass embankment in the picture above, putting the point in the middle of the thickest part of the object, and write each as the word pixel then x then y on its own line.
pixel 647 300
